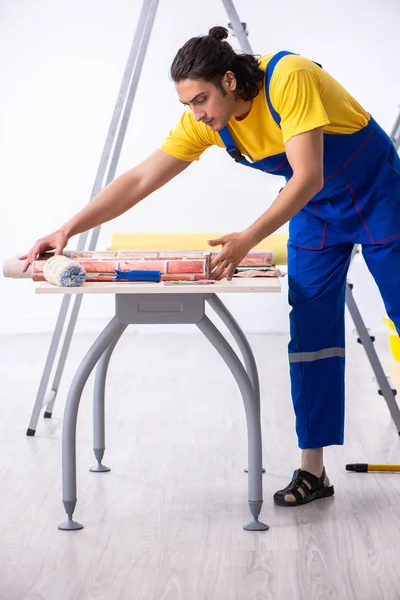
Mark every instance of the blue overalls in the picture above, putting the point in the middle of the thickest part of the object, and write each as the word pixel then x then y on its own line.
pixel 359 204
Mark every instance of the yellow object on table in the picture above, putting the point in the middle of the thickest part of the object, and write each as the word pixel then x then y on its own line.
pixel 394 339
pixel 190 240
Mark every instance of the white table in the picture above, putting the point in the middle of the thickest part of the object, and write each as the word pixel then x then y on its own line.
pixel 162 303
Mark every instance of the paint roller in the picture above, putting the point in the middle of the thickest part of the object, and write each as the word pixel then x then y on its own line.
pixel 64 272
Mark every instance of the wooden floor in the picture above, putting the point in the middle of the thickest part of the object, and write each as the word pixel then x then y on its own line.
pixel 166 522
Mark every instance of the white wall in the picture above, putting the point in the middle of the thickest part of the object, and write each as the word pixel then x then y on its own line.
pixel 61 65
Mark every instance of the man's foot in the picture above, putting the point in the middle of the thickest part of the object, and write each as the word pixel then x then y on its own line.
pixel 303 488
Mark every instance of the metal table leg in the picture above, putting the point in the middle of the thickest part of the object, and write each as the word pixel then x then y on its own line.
pixel 238 335
pixel 99 419
pixel 252 410
pixel 106 337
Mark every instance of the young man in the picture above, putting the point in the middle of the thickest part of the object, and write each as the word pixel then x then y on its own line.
pixel 289 117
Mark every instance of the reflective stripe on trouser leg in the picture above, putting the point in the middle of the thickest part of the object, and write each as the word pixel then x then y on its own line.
pixel 317 281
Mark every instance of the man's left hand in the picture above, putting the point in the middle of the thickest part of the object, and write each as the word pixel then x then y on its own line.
pixel 235 246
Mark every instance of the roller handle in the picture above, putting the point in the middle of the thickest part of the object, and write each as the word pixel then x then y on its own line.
pixel 151 276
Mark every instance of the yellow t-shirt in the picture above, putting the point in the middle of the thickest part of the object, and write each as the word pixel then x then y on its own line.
pixel 304 95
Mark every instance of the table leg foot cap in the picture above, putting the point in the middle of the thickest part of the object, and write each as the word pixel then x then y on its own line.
pixel 256 526
pixel 99 468
pixel 70 525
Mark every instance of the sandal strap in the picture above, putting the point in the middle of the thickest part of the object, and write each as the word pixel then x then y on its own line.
pixel 298 485
pixel 299 482
pixel 303 485
pixel 296 494
pixel 315 482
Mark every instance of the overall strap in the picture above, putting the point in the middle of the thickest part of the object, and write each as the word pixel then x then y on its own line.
pixel 230 144
pixel 270 69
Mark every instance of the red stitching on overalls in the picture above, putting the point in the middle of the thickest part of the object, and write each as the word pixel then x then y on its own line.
pixel 359 212
pixel 351 157
pixel 387 239
pixel 276 168
pixel 364 223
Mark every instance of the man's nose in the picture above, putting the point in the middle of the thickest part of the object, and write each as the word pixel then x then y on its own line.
pixel 199 114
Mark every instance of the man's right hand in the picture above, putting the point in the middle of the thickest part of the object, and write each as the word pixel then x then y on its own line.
pixel 54 241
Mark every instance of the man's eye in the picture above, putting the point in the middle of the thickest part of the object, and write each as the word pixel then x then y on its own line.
pixel 199 101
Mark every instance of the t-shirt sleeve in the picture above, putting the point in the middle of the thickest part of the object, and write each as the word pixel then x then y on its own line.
pixel 296 98
pixel 186 141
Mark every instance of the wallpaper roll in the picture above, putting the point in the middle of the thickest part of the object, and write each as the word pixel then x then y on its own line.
pixel 182 240
pixel 174 263
pixel 12 267
pixel 104 269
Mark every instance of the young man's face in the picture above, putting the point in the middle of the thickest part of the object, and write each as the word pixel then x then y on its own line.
pixel 208 103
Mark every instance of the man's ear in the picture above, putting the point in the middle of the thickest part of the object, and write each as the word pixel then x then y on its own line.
pixel 229 81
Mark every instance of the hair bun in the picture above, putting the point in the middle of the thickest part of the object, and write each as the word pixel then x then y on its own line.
pixel 218 33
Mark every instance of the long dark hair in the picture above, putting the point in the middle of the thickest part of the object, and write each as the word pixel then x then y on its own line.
pixel 209 57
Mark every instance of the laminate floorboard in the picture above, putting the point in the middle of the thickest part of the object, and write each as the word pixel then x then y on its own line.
pixel 166 522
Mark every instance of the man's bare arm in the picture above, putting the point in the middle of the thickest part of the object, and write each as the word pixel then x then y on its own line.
pixel 305 155
pixel 115 199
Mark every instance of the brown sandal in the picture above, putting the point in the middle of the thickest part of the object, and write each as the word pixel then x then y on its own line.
pixel 317 490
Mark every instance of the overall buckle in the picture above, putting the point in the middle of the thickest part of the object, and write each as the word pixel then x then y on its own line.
pixel 235 153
